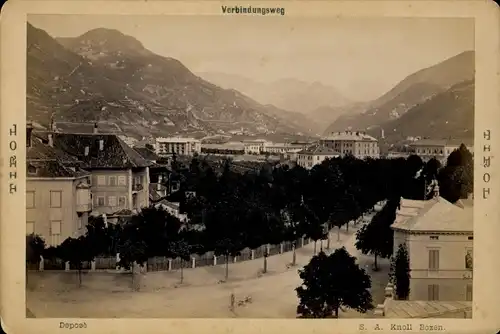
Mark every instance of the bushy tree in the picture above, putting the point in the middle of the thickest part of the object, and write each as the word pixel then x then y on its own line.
pixel 377 237
pixel 35 247
pixel 400 272
pixel 76 251
pixel 331 282
pixel 456 179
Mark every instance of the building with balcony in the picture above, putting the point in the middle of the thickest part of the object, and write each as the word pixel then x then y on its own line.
pixel 119 175
pixel 356 143
pixel 58 199
pixel 177 145
pixel 439 239
pixel 438 148
pixel 315 155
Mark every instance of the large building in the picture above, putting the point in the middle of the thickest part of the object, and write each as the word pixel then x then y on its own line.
pixel 439 239
pixel 355 143
pixel 438 148
pixel 255 146
pixel 177 145
pixel 58 199
pixel 119 175
pixel 314 155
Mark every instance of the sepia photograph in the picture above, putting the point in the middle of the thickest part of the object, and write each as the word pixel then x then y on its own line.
pixel 303 170
pixel 250 161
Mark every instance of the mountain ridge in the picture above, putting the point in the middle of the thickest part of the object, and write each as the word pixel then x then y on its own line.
pixel 413 91
pixel 106 75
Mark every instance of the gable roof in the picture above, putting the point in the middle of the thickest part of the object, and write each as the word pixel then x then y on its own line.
pixel 434 215
pixel 443 142
pixel 154 194
pixel 318 149
pixel 146 153
pixel 47 162
pixel 115 153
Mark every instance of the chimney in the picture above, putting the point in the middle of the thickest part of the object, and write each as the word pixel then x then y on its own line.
pixel 101 144
pixel 29 130
pixel 96 130
pixel 51 140
pixel 86 150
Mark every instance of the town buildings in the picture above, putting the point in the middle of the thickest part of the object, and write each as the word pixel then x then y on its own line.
pixel 355 143
pixel 72 176
pixel 315 154
pixel 255 146
pixel 177 145
pixel 58 199
pixel 439 239
pixel 438 148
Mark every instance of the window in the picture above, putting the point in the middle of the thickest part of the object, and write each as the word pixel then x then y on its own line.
pixel 470 238
pixel 100 200
pixel 30 199
pixel 433 292
pixel 137 180
pixel 112 180
pixel 469 259
pixel 434 237
pixel 101 180
pixel 468 292
pixel 30 227
pixel 55 232
pixel 55 199
pixel 112 200
pixel 121 201
pixel 433 259
pixel 79 222
pixel 32 170
pixel 122 180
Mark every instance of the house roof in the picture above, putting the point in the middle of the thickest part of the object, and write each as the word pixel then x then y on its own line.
pixel 427 309
pixel 52 169
pixel 115 153
pixel 154 192
pixel 434 215
pixel 146 153
pixel 350 135
pixel 318 149
pixel 443 142
pixel 48 162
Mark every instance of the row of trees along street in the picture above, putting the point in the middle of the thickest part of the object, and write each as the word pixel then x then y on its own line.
pixel 230 211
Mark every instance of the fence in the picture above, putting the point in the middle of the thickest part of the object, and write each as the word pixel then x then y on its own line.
pixel 161 263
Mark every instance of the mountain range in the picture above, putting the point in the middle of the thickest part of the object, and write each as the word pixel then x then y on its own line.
pixel 104 75
pixel 435 102
pixel 287 93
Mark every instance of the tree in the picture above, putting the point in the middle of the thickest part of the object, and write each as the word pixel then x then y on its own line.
pixel 377 237
pixel 456 180
pixel 76 251
pixel 400 272
pixel 181 249
pixel 331 282
pixel 132 251
pixel 35 247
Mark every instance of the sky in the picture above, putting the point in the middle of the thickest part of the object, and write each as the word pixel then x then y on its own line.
pixel 361 57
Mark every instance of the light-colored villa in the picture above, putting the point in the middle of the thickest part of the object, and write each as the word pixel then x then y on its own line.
pixel 58 199
pixel 177 145
pixel 439 149
pixel 356 143
pixel 255 146
pixel 439 239
pixel 315 155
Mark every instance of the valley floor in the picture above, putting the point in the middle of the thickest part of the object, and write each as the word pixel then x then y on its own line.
pixel 200 296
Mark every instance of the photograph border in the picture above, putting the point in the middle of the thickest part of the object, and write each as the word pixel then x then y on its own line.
pixel 486 300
